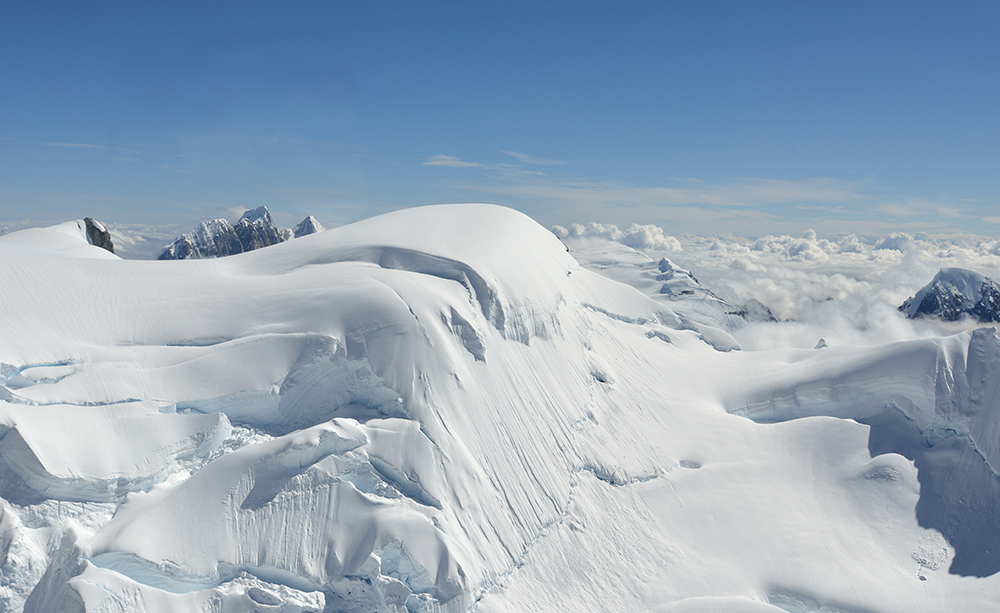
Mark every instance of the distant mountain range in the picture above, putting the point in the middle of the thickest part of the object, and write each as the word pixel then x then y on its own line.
pixel 218 238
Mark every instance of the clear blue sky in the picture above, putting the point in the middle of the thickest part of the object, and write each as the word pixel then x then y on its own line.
pixel 742 117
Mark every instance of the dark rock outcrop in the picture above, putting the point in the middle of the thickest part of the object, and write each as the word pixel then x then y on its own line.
pixel 255 230
pixel 98 235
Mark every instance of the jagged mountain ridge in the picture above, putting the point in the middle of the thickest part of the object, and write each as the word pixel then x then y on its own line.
pixel 955 294
pixel 218 238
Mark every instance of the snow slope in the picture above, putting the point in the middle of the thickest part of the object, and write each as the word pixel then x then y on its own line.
pixel 441 409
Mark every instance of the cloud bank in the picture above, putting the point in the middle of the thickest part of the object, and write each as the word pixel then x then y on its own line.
pixel 641 237
pixel 845 290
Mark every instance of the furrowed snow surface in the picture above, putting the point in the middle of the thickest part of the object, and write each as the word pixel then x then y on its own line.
pixel 441 409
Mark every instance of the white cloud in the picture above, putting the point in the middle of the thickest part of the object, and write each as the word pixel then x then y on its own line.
pixel 642 237
pixel 524 158
pixel 898 241
pixel 450 161
pixel 845 290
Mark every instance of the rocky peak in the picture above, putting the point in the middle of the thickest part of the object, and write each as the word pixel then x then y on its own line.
pixel 954 294
pixel 255 229
pixel 309 225
pixel 218 238
pixel 98 235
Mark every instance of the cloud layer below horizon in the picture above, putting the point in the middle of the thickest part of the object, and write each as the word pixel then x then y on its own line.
pixel 845 290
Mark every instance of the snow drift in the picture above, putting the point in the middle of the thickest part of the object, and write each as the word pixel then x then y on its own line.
pixel 443 409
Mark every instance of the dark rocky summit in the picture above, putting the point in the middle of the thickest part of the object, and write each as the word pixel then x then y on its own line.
pixel 955 294
pixel 98 235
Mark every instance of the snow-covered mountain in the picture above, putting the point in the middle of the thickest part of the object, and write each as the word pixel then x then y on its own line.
pixel 218 238
pixel 663 281
pixel 955 294
pixel 443 409
pixel 309 225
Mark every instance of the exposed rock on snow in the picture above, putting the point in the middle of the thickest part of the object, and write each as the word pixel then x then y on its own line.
pixel 955 294
pixel 98 235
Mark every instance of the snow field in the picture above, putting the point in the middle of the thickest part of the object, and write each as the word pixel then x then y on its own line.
pixel 441 409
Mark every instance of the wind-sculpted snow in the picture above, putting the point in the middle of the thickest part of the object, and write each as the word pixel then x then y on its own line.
pixel 440 409
pixel 139 447
pixel 935 402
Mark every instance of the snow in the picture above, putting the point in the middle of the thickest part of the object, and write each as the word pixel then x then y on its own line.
pixel 444 409
pixel 140 446
pixel 67 239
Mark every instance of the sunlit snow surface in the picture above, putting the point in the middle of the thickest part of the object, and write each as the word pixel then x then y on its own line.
pixel 441 408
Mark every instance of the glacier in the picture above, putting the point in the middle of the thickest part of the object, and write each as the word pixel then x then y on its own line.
pixel 447 409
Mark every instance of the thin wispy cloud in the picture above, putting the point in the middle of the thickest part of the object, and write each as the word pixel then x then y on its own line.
pixel 86 146
pixel 524 158
pixel 119 154
pixel 743 193
pixel 739 204
pixel 908 209
pixel 450 161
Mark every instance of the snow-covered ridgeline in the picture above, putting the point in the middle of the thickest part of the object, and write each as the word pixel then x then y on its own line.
pixel 441 408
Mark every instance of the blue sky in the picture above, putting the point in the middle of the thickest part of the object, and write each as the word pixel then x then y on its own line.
pixel 702 117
